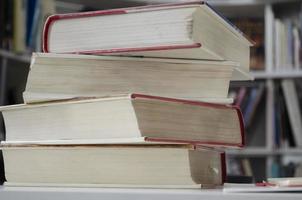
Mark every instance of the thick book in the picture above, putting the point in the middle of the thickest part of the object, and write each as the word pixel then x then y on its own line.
pixel 63 76
pixel 116 165
pixel 191 30
pixel 136 116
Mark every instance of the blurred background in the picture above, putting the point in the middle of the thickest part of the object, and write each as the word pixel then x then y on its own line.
pixel 271 104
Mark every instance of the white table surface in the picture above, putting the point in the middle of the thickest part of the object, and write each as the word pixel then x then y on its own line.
pixel 54 193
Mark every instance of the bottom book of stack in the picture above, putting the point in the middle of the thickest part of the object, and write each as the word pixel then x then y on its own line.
pixel 113 165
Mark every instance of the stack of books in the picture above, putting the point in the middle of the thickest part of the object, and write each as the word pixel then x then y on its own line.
pixel 147 108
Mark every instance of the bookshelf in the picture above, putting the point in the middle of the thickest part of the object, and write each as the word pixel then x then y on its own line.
pixel 259 8
pixel 271 75
pixel 277 74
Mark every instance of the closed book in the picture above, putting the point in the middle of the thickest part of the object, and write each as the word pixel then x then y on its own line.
pixel 19 28
pixel 155 166
pixel 191 30
pixel 63 76
pixel 134 116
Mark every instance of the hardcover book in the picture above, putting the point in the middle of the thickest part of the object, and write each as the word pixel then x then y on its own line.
pixel 63 76
pixel 156 166
pixel 191 30
pixel 134 116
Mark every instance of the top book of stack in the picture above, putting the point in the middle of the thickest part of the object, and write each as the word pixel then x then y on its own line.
pixel 191 30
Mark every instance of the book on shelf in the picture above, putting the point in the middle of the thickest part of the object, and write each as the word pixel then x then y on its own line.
pixel 254 29
pixel 287 44
pixel 63 76
pixel 37 14
pixel 293 109
pixel 141 117
pixel 21 24
pixel 190 30
pixel 32 9
pixel 247 168
pixel 287 114
pixel 19 27
pixel 254 99
pixel 283 137
pixel 239 167
pixel 240 96
pixel 251 100
pixel 156 166
pixel 248 99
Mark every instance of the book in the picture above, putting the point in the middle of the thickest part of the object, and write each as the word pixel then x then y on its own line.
pixel 254 99
pixel 42 10
pixel 19 28
pixel 287 135
pixel 293 109
pixel 238 168
pixel 247 168
pixel 22 22
pixel 144 117
pixel 155 166
pixel 63 76
pixel 32 7
pixel 287 43
pixel 296 48
pixel 253 28
pixel 240 96
pixel 190 30
pixel 284 137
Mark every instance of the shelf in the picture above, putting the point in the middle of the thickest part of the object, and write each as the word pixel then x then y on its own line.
pixel 290 151
pixel 277 74
pixel 56 193
pixel 253 151
pixel 19 57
